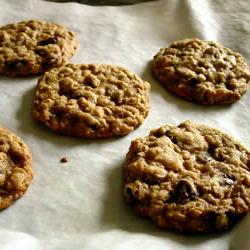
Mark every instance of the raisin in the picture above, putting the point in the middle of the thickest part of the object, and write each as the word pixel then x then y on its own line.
pixel 16 64
pixel 211 218
pixel 1 39
pixel 211 149
pixel 40 52
pixel 74 121
pixel 48 64
pixel 218 221
pixel 192 82
pixel 51 40
pixel 232 217
pixel 184 190
pixel 158 134
pixel 58 112
pixel 171 137
pixel 93 127
pixel 132 199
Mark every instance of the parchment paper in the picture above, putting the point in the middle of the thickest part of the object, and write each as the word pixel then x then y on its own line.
pixel 78 205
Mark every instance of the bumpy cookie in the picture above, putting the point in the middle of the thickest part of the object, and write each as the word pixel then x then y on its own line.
pixel 191 178
pixel 33 47
pixel 15 168
pixel 91 101
pixel 203 72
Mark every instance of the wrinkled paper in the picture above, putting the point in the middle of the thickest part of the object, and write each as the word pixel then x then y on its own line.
pixel 78 205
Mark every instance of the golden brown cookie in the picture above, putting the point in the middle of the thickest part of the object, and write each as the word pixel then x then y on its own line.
pixel 92 101
pixel 33 47
pixel 190 177
pixel 15 168
pixel 203 72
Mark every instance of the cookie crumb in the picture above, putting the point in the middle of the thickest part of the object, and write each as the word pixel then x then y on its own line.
pixel 64 159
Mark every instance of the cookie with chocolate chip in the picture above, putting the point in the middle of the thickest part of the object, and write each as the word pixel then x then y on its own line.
pixel 91 101
pixel 32 47
pixel 15 168
pixel 190 178
pixel 204 72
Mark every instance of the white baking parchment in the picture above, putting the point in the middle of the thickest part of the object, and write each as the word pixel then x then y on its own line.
pixel 78 205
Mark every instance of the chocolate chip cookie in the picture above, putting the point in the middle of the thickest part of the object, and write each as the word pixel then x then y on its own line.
pixel 32 47
pixel 15 168
pixel 190 177
pixel 203 72
pixel 91 101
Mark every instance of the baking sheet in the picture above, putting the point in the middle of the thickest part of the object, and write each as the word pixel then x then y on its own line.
pixel 78 205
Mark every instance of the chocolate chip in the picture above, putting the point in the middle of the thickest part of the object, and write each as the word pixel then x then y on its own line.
pixel 16 64
pixel 51 40
pixel 184 190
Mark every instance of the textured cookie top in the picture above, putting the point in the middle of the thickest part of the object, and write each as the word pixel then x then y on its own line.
pixel 191 178
pixel 15 168
pixel 32 47
pixel 93 101
pixel 204 72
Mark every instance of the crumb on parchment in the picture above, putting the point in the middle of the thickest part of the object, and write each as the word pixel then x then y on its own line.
pixel 64 159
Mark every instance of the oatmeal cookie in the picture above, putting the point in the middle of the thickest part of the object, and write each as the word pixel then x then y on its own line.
pixel 33 47
pixel 203 72
pixel 91 101
pixel 15 168
pixel 191 178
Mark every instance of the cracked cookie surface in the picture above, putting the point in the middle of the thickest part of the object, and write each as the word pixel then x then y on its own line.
pixel 91 101
pixel 190 177
pixel 15 168
pixel 203 72
pixel 32 47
